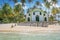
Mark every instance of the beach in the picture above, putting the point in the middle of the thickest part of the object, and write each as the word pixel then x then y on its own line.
pixel 29 29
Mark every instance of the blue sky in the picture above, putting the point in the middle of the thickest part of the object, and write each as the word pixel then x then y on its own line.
pixel 28 5
pixel 12 3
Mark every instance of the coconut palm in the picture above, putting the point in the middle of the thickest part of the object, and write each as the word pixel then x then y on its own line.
pixel 23 1
pixel 29 1
pixel 51 19
pixel 15 1
pixel 48 4
pixel 18 10
pixel 59 9
pixel 6 8
pixel 54 11
pixel 7 12
pixel 37 3
pixel 54 1
pixel 1 15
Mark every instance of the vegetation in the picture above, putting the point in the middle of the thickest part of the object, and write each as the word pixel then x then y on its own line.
pixel 9 15
pixel 51 18
pixel 54 10
pixel 16 14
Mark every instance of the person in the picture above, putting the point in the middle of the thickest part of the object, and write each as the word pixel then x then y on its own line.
pixel 12 26
pixel 15 24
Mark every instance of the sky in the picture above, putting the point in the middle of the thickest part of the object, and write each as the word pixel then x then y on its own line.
pixel 27 5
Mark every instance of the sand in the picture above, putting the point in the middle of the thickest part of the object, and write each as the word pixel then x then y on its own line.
pixel 29 29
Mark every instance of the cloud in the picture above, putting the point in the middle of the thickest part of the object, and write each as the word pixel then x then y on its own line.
pixel 56 5
pixel 18 3
pixel 49 0
pixel 25 7
pixel 43 5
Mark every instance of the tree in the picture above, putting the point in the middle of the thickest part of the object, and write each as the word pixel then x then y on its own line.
pixel 15 1
pixel 54 1
pixel 29 1
pixel 18 10
pixel 1 15
pixel 7 12
pixel 48 4
pixel 51 19
pixel 54 11
pixel 38 3
pixel 23 1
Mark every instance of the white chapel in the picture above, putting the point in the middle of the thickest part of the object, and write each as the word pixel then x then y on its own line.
pixel 36 14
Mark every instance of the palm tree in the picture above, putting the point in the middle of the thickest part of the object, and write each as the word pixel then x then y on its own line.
pixel 6 8
pixel 51 19
pixel 29 1
pixel 37 3
pixel 18 10
pixel 23 1
pixel 54 11
pixel 15 1
pixel 54 1
pixel 48 4
pixel 7 11
pixel 1 15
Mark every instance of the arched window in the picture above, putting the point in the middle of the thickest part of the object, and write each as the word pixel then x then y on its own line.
pixel 33 13
pixel 44 14
pixel 40 13
pixel 29 14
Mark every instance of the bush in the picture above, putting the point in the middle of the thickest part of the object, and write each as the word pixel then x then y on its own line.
pixel 5 20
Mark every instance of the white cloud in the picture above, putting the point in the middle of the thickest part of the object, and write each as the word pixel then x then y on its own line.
pixel 18 3
pixel 43 5
pixel 25 7
pixel 49 0
pixel 56 5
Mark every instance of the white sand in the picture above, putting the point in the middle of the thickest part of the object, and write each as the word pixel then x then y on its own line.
pixel 24 29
